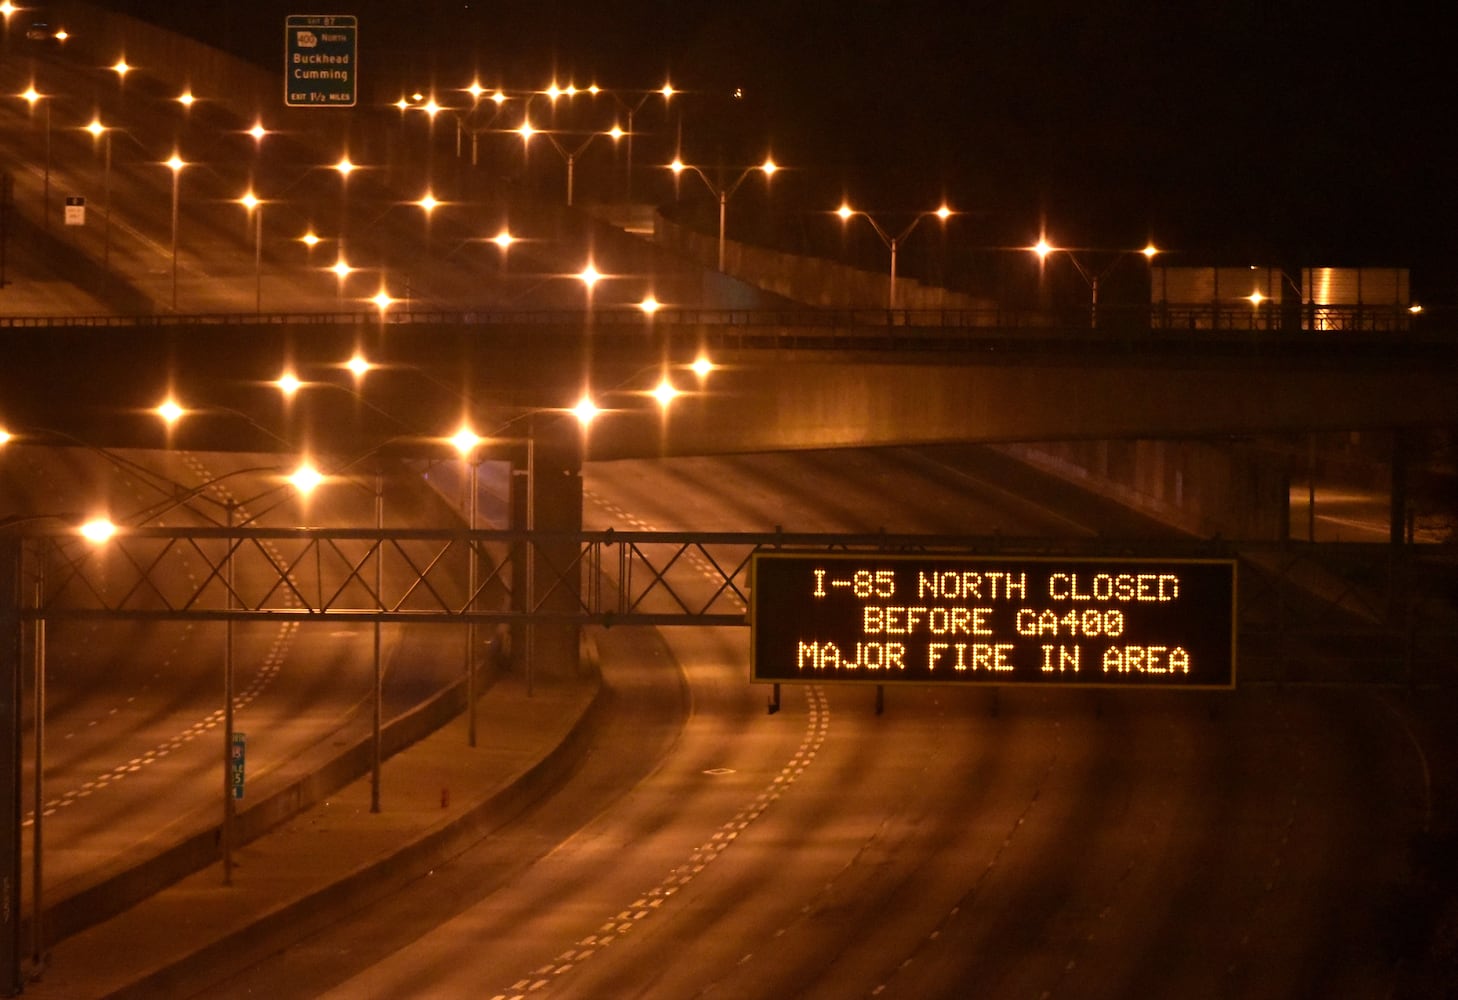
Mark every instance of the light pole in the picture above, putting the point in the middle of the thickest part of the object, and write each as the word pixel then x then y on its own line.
pixel 498 98
pixel 589 276
pixel 427 203
pixel 31 96
pixel 7 9
pixel 1090 276
pixel 666 91
pixel 303 480
pixel 341 270
pixel 176 163
pixel 344 167
pixel 103 132
pixel 121 68
pixel 37 868
pixel 96 532
pixel 466 441
pixel 768 168
pixel 254 205
pixel 378 690
pixel 526 131
pixel 892 243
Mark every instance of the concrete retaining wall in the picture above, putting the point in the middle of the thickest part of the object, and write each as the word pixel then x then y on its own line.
pixel 1207 489
pixel 243 88
pixel 132 882
pixel 810 280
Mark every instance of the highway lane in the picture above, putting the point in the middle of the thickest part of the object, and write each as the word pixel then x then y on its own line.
pixel 1050 843
pixel 1149 849
pixel 443 258
pixel 134 712
pixel 1159 851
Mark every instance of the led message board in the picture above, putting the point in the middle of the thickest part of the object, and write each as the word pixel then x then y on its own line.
pixel 1143 623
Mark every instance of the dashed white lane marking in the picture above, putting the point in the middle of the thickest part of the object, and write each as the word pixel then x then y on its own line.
pixel 816 727
pixel 272 663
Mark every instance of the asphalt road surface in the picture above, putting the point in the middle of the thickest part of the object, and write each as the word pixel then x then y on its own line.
pixel 134 721
pixel 964 843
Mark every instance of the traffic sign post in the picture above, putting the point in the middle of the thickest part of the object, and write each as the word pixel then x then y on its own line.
pixel 321 60
pixel 1088 622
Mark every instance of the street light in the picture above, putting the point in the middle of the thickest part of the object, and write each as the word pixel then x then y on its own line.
pixel 666 92
pixel 31 96
pixel 768 168
pixel 97 531
pixel 100 131
pixel 303 479
pixel 526 131
pixel 427 203
pixel 585 411
pixel 254 205
pixel 382 301
pixel 176 163
pixel 498 98
pixel 288 383
pixel 341 270
pixel 359 366
pixel 1090 276
pixel 466 441
pixel 169 411
pixel 344 168
pixel 306 479
pixel 666 392
pixel 589 276
pixel 6 9
pixel 892 243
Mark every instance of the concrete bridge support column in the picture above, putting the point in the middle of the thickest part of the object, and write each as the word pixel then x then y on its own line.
pixel 546 500
pixel 1401 455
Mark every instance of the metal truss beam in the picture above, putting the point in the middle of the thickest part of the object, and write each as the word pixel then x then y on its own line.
pixel 305 574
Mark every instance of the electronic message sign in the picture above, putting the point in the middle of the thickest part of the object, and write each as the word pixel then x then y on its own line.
pixel 321 60
pixel 888 619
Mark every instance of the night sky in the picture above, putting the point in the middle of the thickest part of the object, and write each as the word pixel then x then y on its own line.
pixel 1290 134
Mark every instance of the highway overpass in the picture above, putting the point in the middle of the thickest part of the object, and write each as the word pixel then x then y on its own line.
pixel 779 380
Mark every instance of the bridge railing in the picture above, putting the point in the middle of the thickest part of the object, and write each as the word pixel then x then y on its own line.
pixel 1194 320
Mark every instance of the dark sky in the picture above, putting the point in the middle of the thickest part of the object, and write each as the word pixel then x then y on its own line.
pixel 1297 133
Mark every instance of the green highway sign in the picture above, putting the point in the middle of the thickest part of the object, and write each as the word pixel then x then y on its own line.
pixel 239 755
pixel 321 60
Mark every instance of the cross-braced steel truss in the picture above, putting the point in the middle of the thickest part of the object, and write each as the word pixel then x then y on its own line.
pixel 1352 597
pixel 421 575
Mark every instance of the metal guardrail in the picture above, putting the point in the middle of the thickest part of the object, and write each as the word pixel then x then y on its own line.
pixel 1393 323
